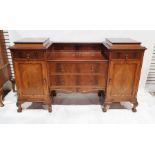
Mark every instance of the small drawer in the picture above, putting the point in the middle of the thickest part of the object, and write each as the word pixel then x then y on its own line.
pixel 66 55
pixel 87 54
pixel 77 80
pixel 28 54
pixel 60 55
pixel 62 80
pixel 125 55
pixel 93 67
pixel 91 80
pixel 78 68
pixel 62 68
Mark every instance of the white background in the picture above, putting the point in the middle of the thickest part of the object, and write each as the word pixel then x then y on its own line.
pixel 77 15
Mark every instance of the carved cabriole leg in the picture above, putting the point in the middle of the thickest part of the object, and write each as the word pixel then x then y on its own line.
pixel 135 104
pixel 13 84
pixel 49 108
pixel 106 106
pixel 19 104
pixel 50 100
pixel 106 103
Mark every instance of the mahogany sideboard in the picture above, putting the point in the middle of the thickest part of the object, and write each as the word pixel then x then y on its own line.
pixel 43 68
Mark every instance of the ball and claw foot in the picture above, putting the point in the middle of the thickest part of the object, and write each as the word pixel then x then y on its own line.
pixel 19 109
pixel 105 108
pixel 1 105
pixel 49 109
pixel 134 109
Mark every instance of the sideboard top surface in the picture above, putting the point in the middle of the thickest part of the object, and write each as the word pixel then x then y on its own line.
pixel 122 41
pixel 31 41
pixel 123 44
pixel 45 43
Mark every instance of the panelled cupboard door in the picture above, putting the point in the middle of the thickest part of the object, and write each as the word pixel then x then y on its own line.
pixel 31 79
pixel 123 79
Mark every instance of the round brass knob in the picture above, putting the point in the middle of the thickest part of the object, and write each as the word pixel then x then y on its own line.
pixel 28 55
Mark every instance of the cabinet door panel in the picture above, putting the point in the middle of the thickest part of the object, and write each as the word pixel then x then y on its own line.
pixel 123 79
pixel 31 78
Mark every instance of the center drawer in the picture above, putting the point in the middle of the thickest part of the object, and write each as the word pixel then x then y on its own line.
pixel 28 54
pixel 77 68
pixel 125 55
pixel 61 55
pixel 78 80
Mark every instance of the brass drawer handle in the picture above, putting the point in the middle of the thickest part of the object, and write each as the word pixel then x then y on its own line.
pixel 62 69
pixel 28 55
pixel 126 57
pixel 92 68
pixel 44 81
pixel 77 54
pixel 110 81
pixel 62 82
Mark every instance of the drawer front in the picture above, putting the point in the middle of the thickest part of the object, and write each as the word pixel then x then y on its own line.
pixel 60 55
pixel 62 68
pixel 79 68
pixel 89 54
pixel 60 80
pixel 28 54
pixel 125 55
pixel 86 68
pixel 78 80
pixel 88 80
